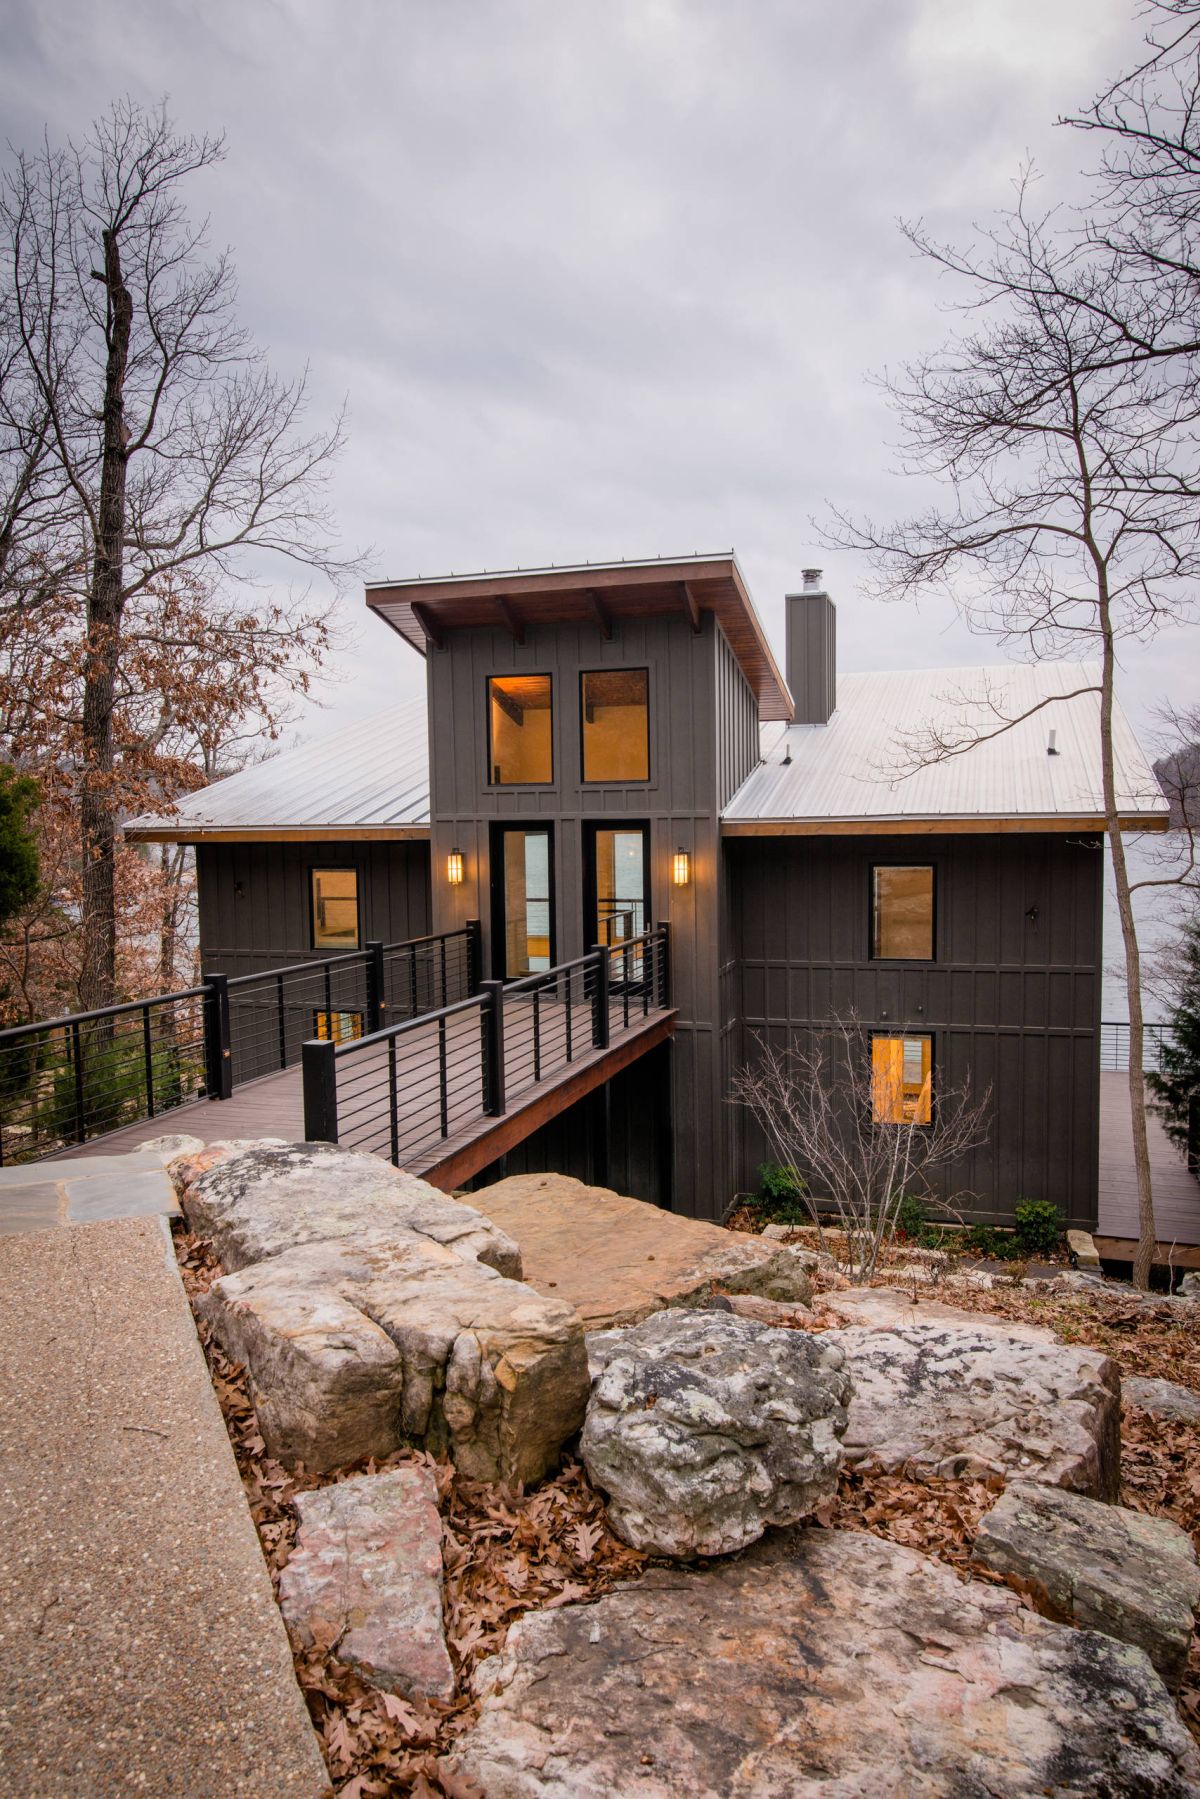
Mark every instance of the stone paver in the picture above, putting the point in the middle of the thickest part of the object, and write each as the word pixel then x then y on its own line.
pixel 141 1650
pixel 36 1196
pixel 617 1259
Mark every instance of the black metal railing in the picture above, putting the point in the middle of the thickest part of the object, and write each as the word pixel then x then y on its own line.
pixel 406 1089
pixel 1114 1044
pixel 69 1080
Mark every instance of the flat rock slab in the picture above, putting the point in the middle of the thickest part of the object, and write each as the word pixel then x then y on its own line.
pixel 1102 1566
pixel 39 1196
pixel 1162 1399
pixel 704 1428
pixel 835 1667
pixel 368 1562
pixel 954 1402
pixel 260 1199
pixel 617 1259
pixel 356 1346
pixel 142 1648
pixel 891 1308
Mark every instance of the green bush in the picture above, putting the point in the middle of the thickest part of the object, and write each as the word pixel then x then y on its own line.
pixel 780 1195
pixel 1001 1246
pixel 910 1217
pixel 1039 1227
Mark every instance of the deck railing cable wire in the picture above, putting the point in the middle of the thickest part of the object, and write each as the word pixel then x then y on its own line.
pixel 403 1091
pixel 1114 1044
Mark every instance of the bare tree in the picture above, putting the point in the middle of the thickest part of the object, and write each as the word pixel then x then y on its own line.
pixel 1069 522
pixel 843 1118
pixel 141 432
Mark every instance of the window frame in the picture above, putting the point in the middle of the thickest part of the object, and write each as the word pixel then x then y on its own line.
pixel 355 1012
pixel 904 961
pixel 884 1035
pixel 512 674
pixel 334 868
pixel 640 668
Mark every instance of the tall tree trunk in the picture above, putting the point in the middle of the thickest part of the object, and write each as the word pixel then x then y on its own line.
pixel 97 986
pixel 1144 1259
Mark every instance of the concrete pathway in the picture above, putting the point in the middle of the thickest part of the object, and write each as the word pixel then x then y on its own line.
pixel 141 1650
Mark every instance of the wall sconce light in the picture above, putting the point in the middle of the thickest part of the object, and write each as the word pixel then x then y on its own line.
pixel 454 868
pixel 682 869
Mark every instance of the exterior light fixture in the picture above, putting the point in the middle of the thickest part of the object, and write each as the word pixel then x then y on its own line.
pixel 681 869
pixel 454 868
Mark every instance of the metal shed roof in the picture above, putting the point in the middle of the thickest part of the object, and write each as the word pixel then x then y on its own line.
pixel 368 780
pixel 852 774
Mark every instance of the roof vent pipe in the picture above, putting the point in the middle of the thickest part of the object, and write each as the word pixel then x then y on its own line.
pixel 811 650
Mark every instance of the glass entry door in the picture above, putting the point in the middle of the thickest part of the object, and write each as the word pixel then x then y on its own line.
pixel 618 891
pixel 522 901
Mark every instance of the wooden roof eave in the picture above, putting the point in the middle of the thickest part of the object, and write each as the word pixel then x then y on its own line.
pixel 166 832
pixel 947 825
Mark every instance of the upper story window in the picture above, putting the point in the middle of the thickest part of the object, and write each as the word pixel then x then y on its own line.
pixel 335 908
pixel 520 716
pixel 614 710
pixel 902 912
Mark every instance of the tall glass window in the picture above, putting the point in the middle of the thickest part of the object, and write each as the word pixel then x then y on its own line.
pixel 615 722
pixel 527 915
pixel 902 1079
pixel 902 913
pixel 335 908
pixel 520 717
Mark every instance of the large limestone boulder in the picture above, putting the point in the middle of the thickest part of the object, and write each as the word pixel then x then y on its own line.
pixel 956 1401
pixel 260 1199
pixel 889 1308
pixel 356 1345
pixel 617 1259
pixel 368 1564
pixel 703 1428
pixel 833 1666
pixel 1102 1566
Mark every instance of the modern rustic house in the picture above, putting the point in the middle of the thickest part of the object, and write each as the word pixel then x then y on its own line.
pixel 608 748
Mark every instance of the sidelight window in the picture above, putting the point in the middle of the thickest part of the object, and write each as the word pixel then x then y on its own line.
pixel 902 912
pixel 520 715
pixel 614 707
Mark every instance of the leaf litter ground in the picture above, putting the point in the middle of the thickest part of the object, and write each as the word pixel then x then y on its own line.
pixel 506 1551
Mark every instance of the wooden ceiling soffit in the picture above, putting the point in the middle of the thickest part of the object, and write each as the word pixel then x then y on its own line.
pixel 428 623
pixel 600 613
pixel 692 606
pixel 510 618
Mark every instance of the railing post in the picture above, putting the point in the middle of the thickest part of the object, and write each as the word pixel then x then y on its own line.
pixel 474 956
pixel 600 998
pixel 376 1003
pixel 664 964
pixel 318 1063
pixel 492 1044
pixel 218 1058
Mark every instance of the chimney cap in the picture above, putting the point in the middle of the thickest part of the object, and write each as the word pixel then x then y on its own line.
pixel 812 579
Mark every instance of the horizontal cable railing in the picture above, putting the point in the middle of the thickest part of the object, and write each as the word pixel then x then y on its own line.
pixel 1114 1044
pixel 70 1079
pixel 402 1091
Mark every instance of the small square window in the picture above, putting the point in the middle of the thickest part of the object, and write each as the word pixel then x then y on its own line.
pixel 520 734
pixel 614 708
pixel 335 908
pixel 902 913
pixel 338 1027
pixel 902 1079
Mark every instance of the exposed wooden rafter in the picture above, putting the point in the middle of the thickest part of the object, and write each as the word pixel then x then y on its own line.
pixel 428 624
pixel 692 605
pixel 600 613
pixel 510 618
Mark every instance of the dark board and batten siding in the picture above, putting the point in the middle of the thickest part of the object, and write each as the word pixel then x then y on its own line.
pixel 255 906
pixel 701 741
pixel 1012 1000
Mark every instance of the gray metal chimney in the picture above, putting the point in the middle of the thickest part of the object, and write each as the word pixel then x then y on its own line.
pixel 811 644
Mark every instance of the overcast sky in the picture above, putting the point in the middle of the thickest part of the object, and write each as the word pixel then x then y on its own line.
pixel 602 279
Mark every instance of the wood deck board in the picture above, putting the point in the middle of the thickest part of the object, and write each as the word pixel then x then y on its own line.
pixel 1176 1192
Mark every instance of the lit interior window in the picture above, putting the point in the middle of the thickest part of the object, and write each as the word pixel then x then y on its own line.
pixel 902 1079
pixel 340 1027
pixel 520 730
pixel 615 709
pixel 335 908
pixel 902 913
